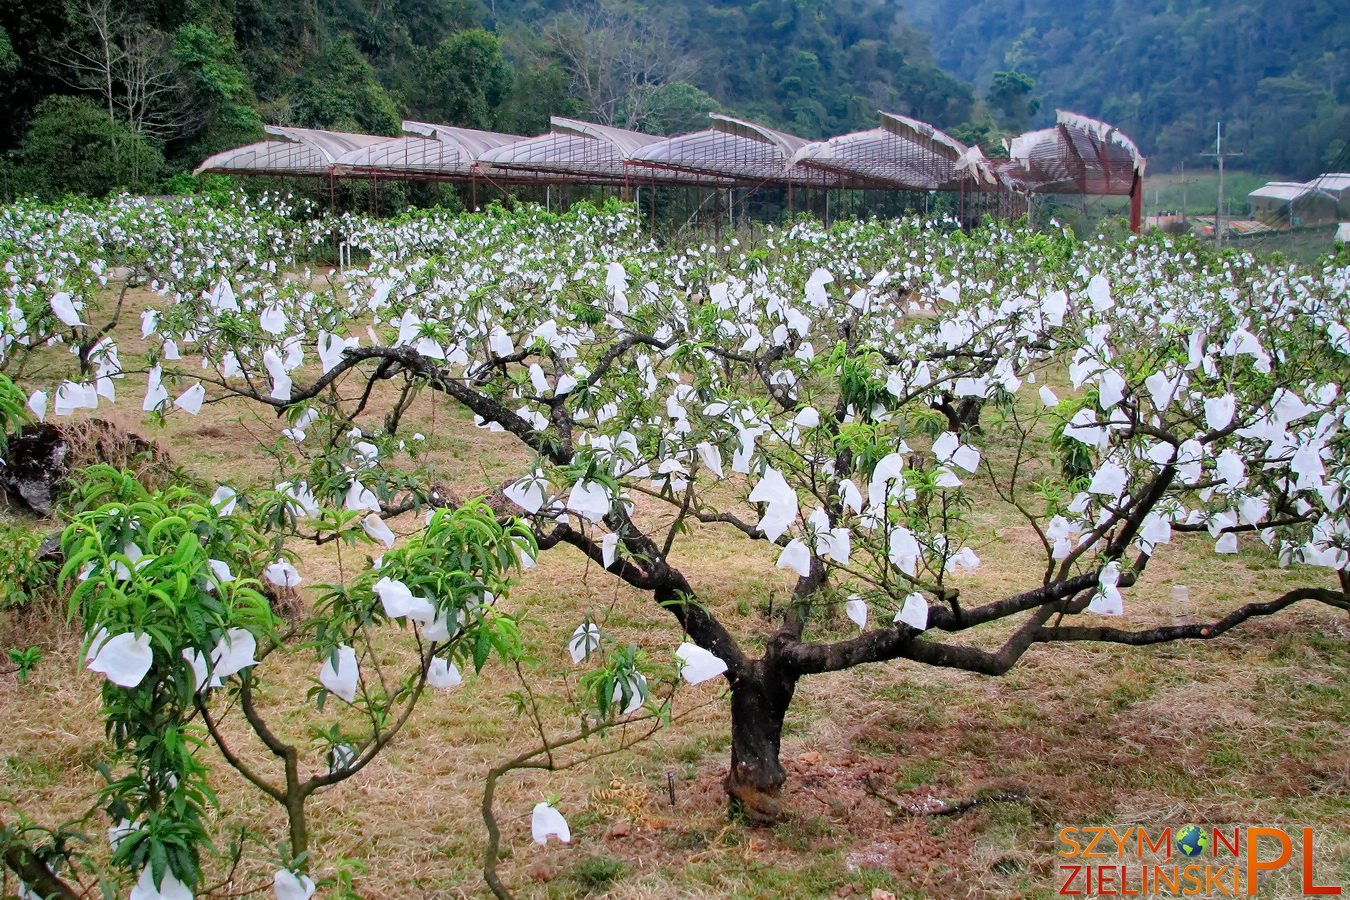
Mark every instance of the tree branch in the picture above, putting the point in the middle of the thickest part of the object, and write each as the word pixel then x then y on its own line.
pixel 1200 631
pixel 39 877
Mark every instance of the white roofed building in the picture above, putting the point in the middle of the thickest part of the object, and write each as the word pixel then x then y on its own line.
pixel 1324 199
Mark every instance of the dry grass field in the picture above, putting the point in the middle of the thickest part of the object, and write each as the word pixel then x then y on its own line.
pixel 1251 727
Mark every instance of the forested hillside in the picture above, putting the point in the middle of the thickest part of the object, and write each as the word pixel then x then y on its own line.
pixel 126 90
pixel 1277 72
pixel 813 67
pixel 104 93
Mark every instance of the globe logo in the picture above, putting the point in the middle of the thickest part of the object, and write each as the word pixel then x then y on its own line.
pixel 1192 841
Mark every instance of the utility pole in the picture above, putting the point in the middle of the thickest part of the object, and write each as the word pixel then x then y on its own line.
pixel 1185 184
pixel 1219 154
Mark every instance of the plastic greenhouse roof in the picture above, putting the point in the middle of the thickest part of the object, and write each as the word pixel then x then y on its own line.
pixel 575 150
pixel 293 151
pixel 473 140
pixel 1280 190
pixel 1331 183
pixel 1080 155
pixel 410 156
pixel 903 154
pixel 428 151
pixel 735 149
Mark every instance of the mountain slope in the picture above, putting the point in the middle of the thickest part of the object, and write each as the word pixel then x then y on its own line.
pixel 1276 72
pixel 812 67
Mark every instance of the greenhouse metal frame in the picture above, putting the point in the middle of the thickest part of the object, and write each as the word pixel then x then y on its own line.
pixel 738 160
pixel 426 152
pixel 289 151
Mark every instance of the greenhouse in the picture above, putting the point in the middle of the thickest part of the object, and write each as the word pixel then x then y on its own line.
pixel 289 151
pixel 903 154
pixel 736 150
pixel 426 152
pixel 573 152
pixel 748 164
pixel 1081 156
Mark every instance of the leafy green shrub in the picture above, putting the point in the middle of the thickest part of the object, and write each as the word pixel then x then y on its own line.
pixel 73 147
pixel 164 583
pixel 25 659
pixel 27 575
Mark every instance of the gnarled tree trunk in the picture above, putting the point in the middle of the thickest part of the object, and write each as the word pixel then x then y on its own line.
pixel 759 701
pixel 963 415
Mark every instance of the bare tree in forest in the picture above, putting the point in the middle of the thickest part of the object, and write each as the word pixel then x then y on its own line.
pixel 131 66
pixel 617 61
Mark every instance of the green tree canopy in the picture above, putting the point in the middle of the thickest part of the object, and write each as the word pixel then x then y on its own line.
pixel 538 92
pixel 1010 96
pixel 464 81
pixel 681 108
pixel 73 147
pixel 340 92
pixel 9 60
pixel 220 83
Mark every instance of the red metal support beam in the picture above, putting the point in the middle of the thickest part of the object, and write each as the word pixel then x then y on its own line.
pixel 1136 202
pixel 1073 160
